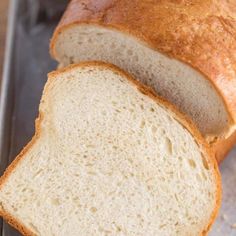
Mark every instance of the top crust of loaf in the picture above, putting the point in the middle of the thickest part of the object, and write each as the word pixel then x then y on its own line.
pixel 198 33
pixel 146 91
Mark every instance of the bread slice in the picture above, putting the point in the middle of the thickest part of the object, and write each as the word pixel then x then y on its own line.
pixel 184 51
pixel 110 158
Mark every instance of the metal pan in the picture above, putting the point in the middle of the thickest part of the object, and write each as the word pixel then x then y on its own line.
pixel 27 62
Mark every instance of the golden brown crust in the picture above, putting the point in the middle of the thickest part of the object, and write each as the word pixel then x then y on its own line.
pixel 222 147
pixel 198 33
pixel 182 119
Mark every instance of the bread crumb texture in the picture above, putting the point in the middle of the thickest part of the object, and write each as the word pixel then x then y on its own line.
pixel 109 160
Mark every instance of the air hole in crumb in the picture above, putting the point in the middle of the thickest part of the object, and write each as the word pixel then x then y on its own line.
pixel 176 197
pixel 93 209
pixel 38 172
pixel 76 200
pixel 125 176
pixel 189 218
pixel 142 124
pixel 205 164
pixel 162 131
pixel 90 146
pixel 162 226
pixel 92 173
pixel 55 202
pixel 169 146
pixel 192 163
pixel 149 187
pixel 89 164
pixel 152 109
pixel 142 107
pixel 183 149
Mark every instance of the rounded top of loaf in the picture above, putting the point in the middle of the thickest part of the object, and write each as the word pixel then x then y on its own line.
pixel 198 33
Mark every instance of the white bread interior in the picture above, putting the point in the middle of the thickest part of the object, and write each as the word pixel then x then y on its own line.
pixel 179 83
pixel 109 160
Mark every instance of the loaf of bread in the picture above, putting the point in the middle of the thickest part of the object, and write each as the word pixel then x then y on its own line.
pixel 110 158
pixel 184 50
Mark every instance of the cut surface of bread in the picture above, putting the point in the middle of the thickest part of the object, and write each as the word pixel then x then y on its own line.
pixel 177 48
pixel 110 158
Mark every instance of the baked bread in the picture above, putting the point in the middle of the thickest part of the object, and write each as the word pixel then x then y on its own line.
pixel 184 50
pixel 222 147
pixel 118 161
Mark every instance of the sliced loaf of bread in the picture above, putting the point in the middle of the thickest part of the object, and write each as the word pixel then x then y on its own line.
pixel 184 50
pixel 110 158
